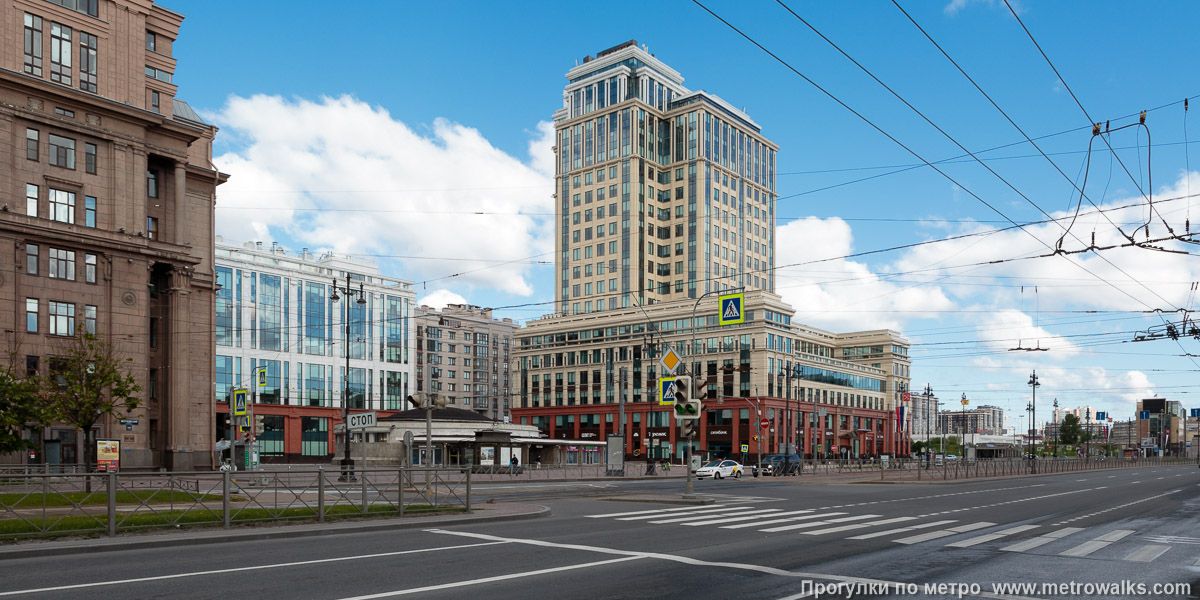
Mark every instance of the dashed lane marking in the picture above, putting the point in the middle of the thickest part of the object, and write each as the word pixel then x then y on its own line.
pixel 1100 512
pixel 646 512
pixel 694 511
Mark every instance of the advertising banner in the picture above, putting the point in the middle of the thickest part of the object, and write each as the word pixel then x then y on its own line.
pixel 108 455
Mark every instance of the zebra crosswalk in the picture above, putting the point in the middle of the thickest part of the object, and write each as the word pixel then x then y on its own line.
pixel 1043 539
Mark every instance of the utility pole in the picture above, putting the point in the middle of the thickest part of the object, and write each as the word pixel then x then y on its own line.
pixel 1055 415
pixel 347 291
pixel 1033 383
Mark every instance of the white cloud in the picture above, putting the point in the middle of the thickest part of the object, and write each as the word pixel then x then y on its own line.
pixel 440 298
pixel 840 294
pixel 1006 330
pixel 410 194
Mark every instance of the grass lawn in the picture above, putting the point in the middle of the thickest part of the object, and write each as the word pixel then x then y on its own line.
pixel 34 500
pixel 15 529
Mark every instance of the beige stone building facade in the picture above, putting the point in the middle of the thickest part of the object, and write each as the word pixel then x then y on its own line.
pixel 662 193
pixel 573 370
pixel 466 356
pixel 108 203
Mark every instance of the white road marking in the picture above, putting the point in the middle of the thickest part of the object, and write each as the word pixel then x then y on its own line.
pixel 751 518
pixel 1103 541
pixel 646 512
pixel 990 536
pixel 933 535
pixel 697 511
pixel 818 523
pixel 242 569
pixel 772 522
pixel 1042 540
pixel 858 526
pixel 693 561
pixel 1147 553
pixel 456 584
pixel 867 536
pixel 759 512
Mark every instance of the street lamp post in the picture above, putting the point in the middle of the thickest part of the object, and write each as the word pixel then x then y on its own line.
pixel 1055 415
pixel 1033 383
pixel 347 291
pixel 963 439
pixel 1087 441
pixel 928 395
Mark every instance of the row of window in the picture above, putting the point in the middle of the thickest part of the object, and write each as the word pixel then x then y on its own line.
pixel 60 317
pixel 60 264
pixel 62 52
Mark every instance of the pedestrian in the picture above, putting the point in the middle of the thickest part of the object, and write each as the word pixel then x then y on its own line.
pixel 539 462
pixel 514 464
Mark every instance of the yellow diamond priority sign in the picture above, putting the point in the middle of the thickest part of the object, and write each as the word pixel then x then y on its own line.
pixel 670 360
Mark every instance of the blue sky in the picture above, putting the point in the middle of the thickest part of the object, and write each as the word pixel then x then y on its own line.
pixel 381 128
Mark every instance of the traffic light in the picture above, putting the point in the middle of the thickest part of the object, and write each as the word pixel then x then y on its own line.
pixel 259 427
pixel 687 428
pixel 700 389
pixel 686 407
pixel 423 400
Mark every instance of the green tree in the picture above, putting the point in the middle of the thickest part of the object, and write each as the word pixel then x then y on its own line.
pixel 88 381
pixel 918 447
pixel 1070 432
pixel 19 406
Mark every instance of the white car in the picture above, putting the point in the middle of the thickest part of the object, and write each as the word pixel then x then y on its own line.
pixel 719 469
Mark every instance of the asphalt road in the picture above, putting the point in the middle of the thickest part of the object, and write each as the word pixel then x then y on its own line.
pixel 762 538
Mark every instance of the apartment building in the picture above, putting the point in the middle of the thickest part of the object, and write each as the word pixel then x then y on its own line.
pixel 466 356
pixel 322 349
pixel 108 209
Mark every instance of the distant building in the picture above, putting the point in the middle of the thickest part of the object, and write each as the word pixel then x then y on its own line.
pixel 108 212
pixel 275 310
pixel 466 356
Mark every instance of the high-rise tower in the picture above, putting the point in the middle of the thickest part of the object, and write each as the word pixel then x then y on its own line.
pixel 662 193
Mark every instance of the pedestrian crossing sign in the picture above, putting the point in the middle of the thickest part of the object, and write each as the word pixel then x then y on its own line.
pixel 666 391
pixel 239 402
pixel 260 375
pixel 732 306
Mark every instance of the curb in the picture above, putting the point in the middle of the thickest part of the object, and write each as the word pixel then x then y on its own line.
pixel 207 536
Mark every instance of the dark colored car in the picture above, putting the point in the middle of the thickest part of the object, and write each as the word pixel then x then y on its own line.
pixel 780 464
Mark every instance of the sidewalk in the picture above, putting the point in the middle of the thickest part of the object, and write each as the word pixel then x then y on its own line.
pixel 483 512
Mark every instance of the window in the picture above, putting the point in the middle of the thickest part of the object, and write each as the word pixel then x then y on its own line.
pixel 60 53
pixel 62 151
pixel 151 41
pixel 31 315
pixel 89 268
pixel 89 211
pixel 89 157
pixel 31 199
pixel 153 332
pixel 31 366
pixel 87 7
pixel 62 264
pixel 87 62
pixel 152 183
pixel 89 320
pixel 62 318
pixel 159 74
pixel 33 45
pixel 31 259
pixel 154 103
pixel 31 144
pixel 314 436
pixel 152 227
pixel 62 206
pixel 58 110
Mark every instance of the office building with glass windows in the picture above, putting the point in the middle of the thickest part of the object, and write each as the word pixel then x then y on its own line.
pixel 664 198
pixel 108 192
pixel 275 311
pixel 465 355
